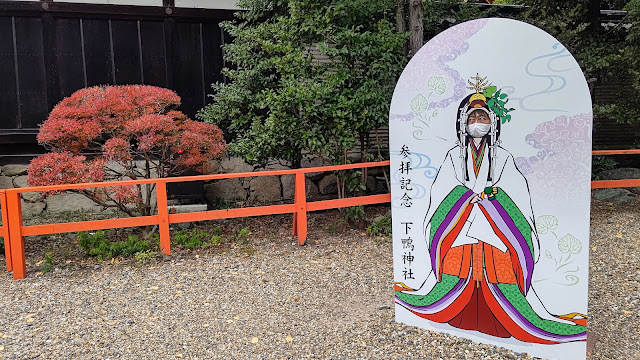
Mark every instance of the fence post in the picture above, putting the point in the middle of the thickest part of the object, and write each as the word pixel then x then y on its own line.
pixel 15 235
pixel 163 215
pixel 295 222
pixel 5 225
pixel 295 214
pixel 300 216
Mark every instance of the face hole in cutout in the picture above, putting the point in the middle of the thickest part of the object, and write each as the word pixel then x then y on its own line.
pixel 478 117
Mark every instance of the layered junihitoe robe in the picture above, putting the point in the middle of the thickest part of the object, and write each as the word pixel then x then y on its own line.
pixel 482 255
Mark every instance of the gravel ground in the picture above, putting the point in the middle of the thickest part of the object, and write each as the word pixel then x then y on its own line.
pixel 273 299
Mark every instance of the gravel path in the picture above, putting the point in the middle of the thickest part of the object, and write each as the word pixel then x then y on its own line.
pixel 276 300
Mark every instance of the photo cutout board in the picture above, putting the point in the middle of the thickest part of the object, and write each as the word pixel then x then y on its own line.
pixel 490 140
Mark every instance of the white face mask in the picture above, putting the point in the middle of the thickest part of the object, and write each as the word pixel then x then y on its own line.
pixel 478 130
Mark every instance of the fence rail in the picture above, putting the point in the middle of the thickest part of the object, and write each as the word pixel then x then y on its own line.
pixel 606 184
pixel 13 230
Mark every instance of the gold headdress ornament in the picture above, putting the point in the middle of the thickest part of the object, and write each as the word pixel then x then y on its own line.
pixel 480 85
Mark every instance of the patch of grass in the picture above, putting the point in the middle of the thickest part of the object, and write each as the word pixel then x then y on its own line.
pixel 145 256
pixel 96 244
pixel 154 240
pixel 332 229
pixel 194 238
pixel 354 213
pixel 242 237
pixel 248 251
pixel 381 227
pixel 216 240
pixel 48 262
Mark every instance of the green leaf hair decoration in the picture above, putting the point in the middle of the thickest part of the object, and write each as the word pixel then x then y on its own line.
pixel 496 103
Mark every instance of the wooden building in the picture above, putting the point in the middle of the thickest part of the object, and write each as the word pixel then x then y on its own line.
pixel 49 49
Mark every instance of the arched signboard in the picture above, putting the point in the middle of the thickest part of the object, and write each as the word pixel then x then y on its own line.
pixel 490 139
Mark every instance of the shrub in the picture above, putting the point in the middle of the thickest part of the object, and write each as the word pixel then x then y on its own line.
pixel 145 256
pixel 192 239
pixel 601 163
pixel 96 244
pixel 354 213
pixel 243 236
pixel 216 240
pixel 48 262
pixel 382 227
pixel 130 247
pixel 106 133
pixel 315 78
pixel 93 244
pixel 280 101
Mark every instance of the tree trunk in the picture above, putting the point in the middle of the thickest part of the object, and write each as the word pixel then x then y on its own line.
pixel 416 25
pixel 594 16
pixel 363 158
pixel 401 22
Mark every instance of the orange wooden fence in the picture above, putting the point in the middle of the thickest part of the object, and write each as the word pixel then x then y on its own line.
pixel 4 229
pixel 603 184
pixel 13 230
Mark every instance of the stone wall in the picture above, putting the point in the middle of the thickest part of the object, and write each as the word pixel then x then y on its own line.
pixel 34 203
pixel 275 188
pixel 15 176
pixel 248 190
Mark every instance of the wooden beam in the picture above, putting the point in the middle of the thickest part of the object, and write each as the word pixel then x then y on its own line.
pixel 22 8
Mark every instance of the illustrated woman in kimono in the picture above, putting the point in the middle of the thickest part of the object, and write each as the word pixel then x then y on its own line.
pixel 481 237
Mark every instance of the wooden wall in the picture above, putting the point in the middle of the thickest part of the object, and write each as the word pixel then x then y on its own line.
pixel 607 133
pixel 48 52
pixel 49 49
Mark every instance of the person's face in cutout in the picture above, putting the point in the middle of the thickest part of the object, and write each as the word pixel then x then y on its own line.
pixel 478 117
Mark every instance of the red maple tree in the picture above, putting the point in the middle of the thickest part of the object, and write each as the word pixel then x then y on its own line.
pixel 107 133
